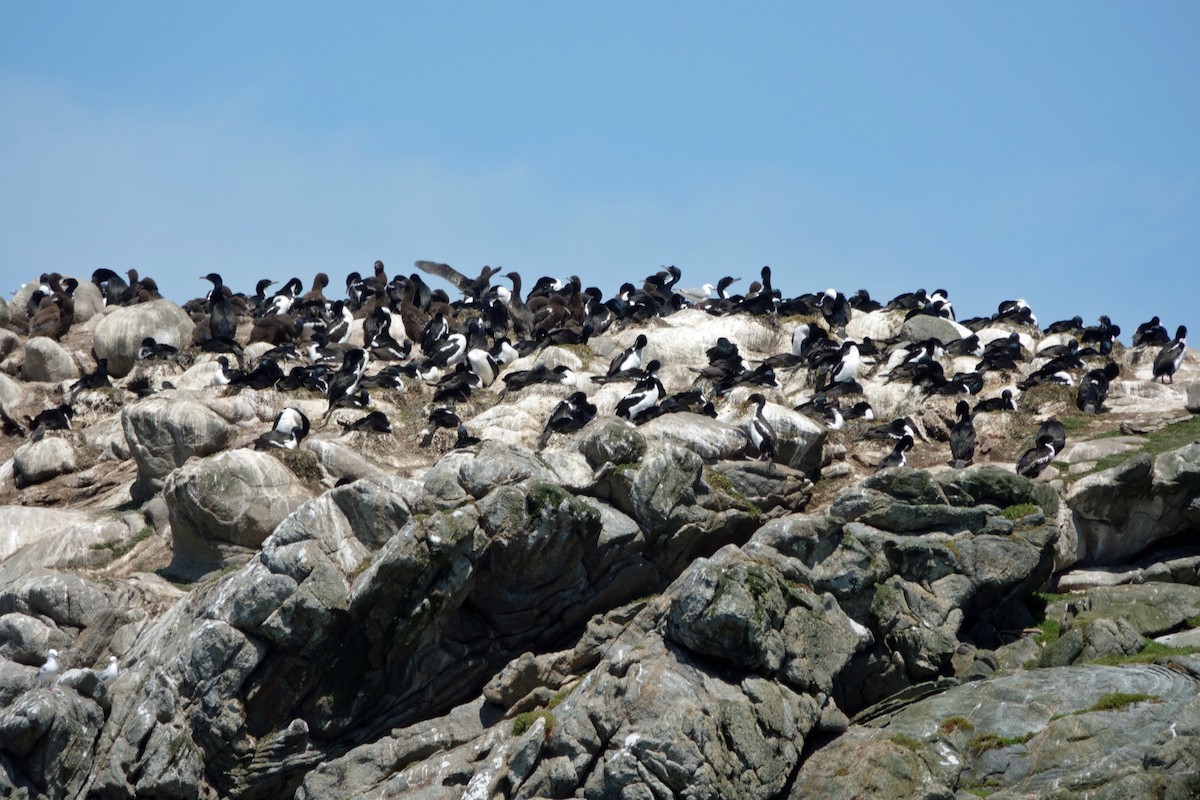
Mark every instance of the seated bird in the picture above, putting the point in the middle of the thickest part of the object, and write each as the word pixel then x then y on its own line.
pixel 962 437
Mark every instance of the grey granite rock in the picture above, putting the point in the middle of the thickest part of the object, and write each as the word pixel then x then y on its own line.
pixel 47 361
pixel 222 508
pixel 119 334
pixel 163 433
pixel 40 461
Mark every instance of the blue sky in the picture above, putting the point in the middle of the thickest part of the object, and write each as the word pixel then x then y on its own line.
pixel 1049 151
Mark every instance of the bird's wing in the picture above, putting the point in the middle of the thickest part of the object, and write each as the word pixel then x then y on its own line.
pixel 443 271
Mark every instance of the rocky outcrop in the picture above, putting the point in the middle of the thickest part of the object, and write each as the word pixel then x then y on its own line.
pixel 1104 731
pixel 618 611
pixel 1121 511
pixel 39 461
pixel 118 336
pixel 164 433
pixel 47 361
pixel 223 507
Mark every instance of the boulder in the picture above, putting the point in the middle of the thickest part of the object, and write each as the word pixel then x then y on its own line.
pixel 9 342
pixel 222 507
pixel 118 336
pixel 47 361
pixel 1102 731
pixel 70 601
pixel 40 461
pixel 926 326
pixel 163 433
pixel 52 537
pixel 26 639
pixel 706 437
pixel 1121 511
pixel 1096 449
pixel 881 325
pixel 1193 397
pixel 611 441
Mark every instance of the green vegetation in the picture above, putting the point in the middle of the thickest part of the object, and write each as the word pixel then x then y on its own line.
pixel 1115 701
pixel 907 742
pixel 302 463
pixel 1074 423
pixel 953 724
pixel 525 720
pixel 1020 511
pixel 1169 438
pixel 1049 631
pixel 119 547
pixel 720 482
pixel 993 741
pixel 1148 654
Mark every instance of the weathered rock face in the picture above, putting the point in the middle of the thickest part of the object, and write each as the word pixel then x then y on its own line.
pixel 164 433
pixel 925 326
pixel 47 361
pixel 119 335
pixel 627 611
pixel 1104 731
pixel 52 537
pixel 223 507
pixel 39 461
pixel 1121 511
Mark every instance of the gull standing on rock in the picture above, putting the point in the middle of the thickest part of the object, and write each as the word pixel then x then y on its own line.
pixel 109 674
pixel 49 671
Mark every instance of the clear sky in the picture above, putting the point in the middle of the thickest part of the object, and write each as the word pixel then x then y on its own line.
pixel 1049 151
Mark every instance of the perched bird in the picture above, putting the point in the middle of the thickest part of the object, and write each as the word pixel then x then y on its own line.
pixel 93 380
pixel 846 368
pixel 152 350
pixel 896 429
pixel 276 439
pixel 1093 388
pixel 375 422
pixel 962 436
pixel 440 417
pixel 628 359
pixel 287 431
pixel 1171 356
pixel 569 415
pixel 1057 433
pixel 1151 332
pixel 896 457
pixel 1035 459
pixel 645 394
pixel 48 671
pixel 52 419
pixel 1004 402
pixel 345 382
pixel 515 381
pixel 109 673
pixel 762 434
pixel 835 308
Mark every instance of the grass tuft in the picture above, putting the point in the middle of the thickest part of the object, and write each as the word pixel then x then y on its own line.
pixel 1115 701
pixel 907 742
pixel 953 724
pixel 993 741
pixel 1020 511
pixel 524 721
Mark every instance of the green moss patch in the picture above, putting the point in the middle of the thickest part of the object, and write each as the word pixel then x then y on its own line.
pixel 524 721
pixel 983 742
pixel 1115 701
